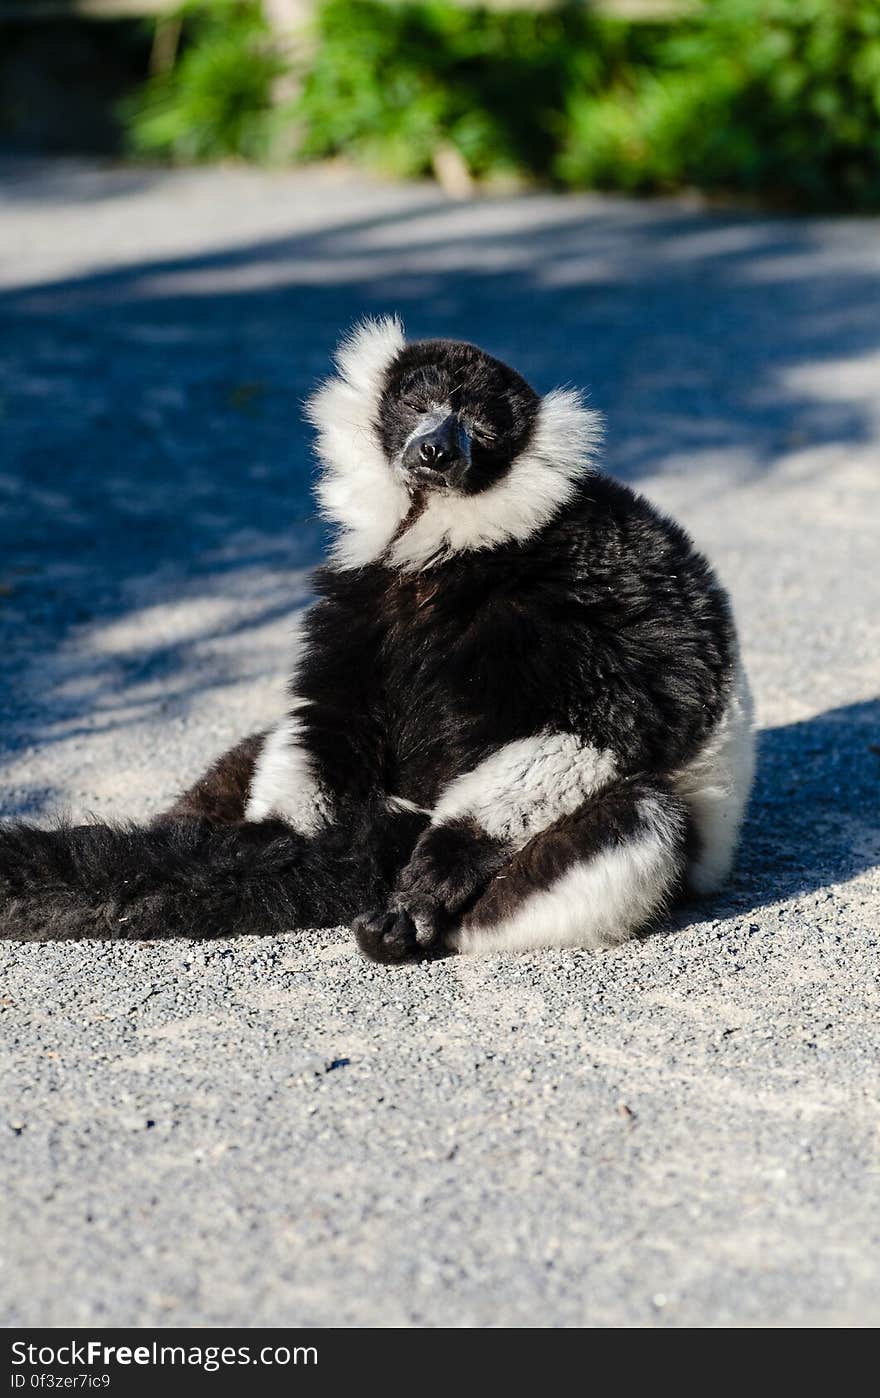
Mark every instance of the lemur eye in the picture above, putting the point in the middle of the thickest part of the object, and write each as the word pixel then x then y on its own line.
pixel 482 432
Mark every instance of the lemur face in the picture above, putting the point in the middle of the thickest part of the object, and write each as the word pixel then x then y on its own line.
pixel 434 449
pixel 451 417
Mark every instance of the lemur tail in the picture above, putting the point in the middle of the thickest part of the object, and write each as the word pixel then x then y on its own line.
pixel 187 878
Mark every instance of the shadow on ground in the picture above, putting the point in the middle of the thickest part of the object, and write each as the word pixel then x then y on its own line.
pixel 814 818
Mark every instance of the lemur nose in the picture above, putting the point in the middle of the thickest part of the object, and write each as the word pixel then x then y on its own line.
pixel 441 449
pixel 440 444
pixel 431 453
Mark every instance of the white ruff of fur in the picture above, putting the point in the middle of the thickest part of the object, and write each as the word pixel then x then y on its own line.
pixel 283 786
pixel 716 786
pixel 538 484
pixel 358 490
pixel 598 902
pixel 526 785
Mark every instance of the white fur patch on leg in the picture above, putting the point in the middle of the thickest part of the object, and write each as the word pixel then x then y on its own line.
pixel 283 785
pixel 358 491
pixel 598 902
pixel 716 786
pixel 526 785
pixel 537 485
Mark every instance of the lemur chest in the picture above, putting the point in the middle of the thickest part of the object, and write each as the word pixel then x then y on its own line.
pixel 445 644
pixel 461 672
pixel 471 661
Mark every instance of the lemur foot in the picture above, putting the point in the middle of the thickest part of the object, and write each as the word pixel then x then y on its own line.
pixel 397 935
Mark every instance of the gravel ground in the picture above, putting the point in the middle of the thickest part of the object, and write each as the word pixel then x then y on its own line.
pixel 682 1131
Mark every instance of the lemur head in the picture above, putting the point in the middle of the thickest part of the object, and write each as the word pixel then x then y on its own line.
pixel 453 418
pixel 434 449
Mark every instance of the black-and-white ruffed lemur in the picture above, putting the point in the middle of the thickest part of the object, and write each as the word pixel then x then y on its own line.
pixel 517 719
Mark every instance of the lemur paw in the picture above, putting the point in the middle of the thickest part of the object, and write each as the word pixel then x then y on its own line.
pixel 450 864
pixel 398 934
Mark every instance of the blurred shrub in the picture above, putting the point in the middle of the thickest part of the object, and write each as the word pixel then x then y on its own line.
pixel 775 98
pixel 216 100
pixel 391 83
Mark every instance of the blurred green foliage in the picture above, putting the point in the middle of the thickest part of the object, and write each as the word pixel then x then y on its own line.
pixel 778 99
pixel 774 98
pixel 389 83
pixel 216 101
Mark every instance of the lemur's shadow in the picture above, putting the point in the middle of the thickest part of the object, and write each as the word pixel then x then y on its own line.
pixel 814 819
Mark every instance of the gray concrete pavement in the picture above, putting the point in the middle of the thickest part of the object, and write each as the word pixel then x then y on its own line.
pixel 683 1131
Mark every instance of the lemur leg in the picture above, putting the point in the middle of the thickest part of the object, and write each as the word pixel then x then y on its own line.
pixel 593 879
pixel 479 822
pixel 716 784
pixel 446 866
pixel 221 795
pixel 287 782
pixel 271 775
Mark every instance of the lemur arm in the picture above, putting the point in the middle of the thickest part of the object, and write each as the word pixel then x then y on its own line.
pixel 327 754
pixel 487 814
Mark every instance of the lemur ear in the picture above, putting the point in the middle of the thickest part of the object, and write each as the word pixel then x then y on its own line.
pixel 566 432
pixel 365 353
pixel 356 490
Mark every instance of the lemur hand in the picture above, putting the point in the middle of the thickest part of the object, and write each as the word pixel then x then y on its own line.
pixel 450 864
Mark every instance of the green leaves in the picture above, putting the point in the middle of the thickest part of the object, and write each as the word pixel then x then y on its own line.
pixel 777 99
pixel 215 103
pixel 774 98
pixel 390 83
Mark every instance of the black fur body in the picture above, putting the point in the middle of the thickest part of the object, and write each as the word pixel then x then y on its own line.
pixel 607 624
pixel 473 733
